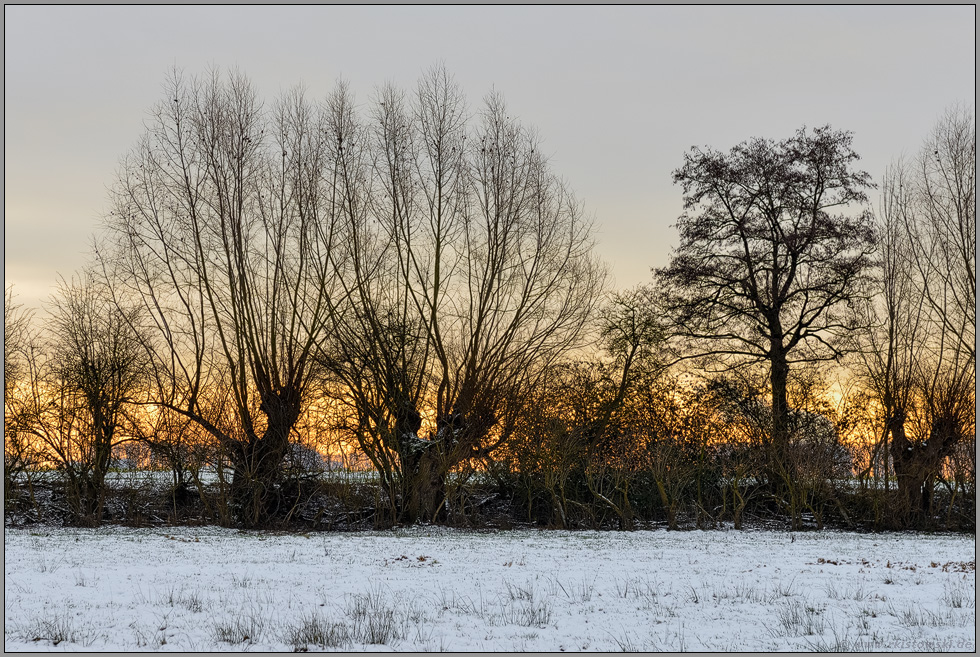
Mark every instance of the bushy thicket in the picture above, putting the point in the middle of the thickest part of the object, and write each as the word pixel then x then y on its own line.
pixel 696 454
pixel 678 452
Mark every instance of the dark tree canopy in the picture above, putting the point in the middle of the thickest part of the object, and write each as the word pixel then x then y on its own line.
pixel 770 259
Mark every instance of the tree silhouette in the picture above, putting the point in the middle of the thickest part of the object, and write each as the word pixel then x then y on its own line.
pixel 769 261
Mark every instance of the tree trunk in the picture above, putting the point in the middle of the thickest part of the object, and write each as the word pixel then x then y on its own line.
pixel 92 489
pixel 779 378
pixel 258 462
pixel 906 470
pixel 918 464
pixel 780 478
pixel 423 487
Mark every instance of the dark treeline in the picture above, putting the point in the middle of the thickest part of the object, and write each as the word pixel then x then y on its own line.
pixel 333 315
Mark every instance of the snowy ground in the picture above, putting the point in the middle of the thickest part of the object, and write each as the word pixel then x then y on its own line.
pixel 204 589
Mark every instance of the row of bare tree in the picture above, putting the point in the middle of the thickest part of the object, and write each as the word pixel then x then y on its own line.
pixel 419 265
pixel 414 282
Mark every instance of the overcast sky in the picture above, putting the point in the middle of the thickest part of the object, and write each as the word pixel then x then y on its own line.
pixel 617 94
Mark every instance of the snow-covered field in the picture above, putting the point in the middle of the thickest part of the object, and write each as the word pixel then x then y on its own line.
pixel 205 589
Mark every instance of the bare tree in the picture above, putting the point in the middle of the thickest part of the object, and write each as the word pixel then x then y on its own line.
pixel 631 332
pixel 895 338
pixel 472 272
pixel 942 236
pixel 18 450
pixel 90 369
pixel 222 232
pixel 920 361
pixel 769 260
